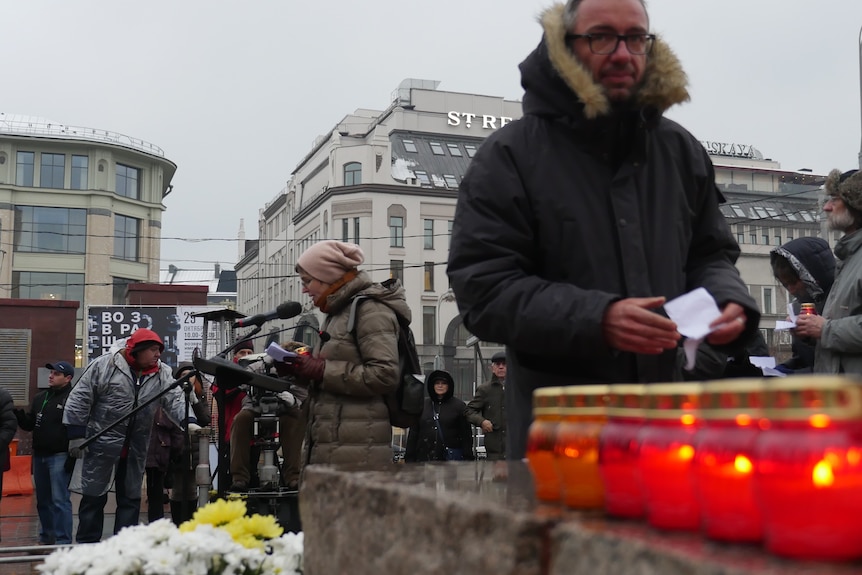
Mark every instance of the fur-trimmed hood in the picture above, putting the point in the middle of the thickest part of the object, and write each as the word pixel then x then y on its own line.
pixel 813 262
pixel 551 74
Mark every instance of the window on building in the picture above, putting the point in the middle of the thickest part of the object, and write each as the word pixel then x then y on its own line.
pixel 345 230
pixel 24 168
pixel 740 213
pixel 429 276
pixel 450 180
pixel 765 236
pixel 50 230
pixel 753 235
pixel 52 171
pixel 396 232
pixel 49 285
pixel 437 148
pixel 409 146
pixel 352 174
pixel 454 150
pixel 119 286
pixel 126 237
pixel 80 172
pixel 789 235
pixel 356 231
pixel 429 325
pixel 470 149
pixel 396 270
pixel 740 234
pixel 777 238
pixel 422 177
pixel 429 234
pixel 767 300
pixel 128 182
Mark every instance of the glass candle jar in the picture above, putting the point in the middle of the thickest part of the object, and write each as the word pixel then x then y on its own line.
pixel 541 440
pixel 809 468
pixel 732 414
pixel 619 451
pixel 577 447
pixel 667 455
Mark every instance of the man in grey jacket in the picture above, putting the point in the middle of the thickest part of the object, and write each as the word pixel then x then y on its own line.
pixel 838 331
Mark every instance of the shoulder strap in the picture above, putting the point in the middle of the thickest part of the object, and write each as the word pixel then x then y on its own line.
pixel 351 319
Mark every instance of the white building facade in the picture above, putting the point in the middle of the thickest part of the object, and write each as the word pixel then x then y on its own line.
pixel 388 180
pixel 80 212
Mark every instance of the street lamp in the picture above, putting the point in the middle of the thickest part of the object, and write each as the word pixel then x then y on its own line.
pixel 447 296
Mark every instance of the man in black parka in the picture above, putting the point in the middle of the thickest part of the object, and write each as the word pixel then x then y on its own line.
pixel 577 222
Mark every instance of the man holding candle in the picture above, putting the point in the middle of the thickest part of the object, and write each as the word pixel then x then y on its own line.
pixel 577 222
pixel 838 330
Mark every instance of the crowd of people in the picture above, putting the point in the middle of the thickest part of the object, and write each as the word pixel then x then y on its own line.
pixel 574 225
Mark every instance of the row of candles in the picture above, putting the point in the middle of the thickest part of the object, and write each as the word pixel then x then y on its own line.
pixel 775 461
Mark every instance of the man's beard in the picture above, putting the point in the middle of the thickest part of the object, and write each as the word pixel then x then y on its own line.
pixel 840 222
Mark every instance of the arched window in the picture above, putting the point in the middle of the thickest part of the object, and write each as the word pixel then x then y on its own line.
pixel 352 174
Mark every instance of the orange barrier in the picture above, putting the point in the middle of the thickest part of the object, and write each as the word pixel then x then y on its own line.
pixel 18 481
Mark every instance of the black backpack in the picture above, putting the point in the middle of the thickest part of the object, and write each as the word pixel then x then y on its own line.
pixel 406 402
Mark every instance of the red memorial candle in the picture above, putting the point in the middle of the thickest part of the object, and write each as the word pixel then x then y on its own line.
pixel 809 468
pixel 732 413
pixel 577 447
pixel 541 440
pixel 619 450
pixel 667 455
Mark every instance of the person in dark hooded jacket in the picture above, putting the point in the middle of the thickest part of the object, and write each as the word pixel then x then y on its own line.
pixel 575 223
pixel 806 268
pixel 443 424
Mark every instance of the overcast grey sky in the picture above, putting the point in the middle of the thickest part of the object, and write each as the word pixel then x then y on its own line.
pixel 235 93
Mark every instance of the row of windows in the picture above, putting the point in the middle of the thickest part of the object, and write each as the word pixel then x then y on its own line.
pixel 767 236
pixel 440 148
pixel 764 213
pixel 52 173
pixel 64 231
pixel 396 232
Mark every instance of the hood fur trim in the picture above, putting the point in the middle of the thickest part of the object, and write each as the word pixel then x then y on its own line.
pixel 664 79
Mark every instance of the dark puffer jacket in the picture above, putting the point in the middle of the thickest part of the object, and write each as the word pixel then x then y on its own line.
pixel 813 261
pixel 443 424
pixel 579 204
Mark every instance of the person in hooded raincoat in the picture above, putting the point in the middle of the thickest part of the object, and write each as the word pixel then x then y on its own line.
pixel 443 424
pixel 575 223
pixel 111 387
pixel 806 268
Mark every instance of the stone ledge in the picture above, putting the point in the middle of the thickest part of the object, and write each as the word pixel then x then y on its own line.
pixel 481 517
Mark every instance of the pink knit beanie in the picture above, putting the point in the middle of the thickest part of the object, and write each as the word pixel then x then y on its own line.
pixel 328 260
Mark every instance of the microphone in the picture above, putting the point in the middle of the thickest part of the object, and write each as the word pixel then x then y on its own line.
pixel 286 310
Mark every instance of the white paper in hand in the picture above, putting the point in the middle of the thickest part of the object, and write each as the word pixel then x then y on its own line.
pixel 278 353
pixel 692 313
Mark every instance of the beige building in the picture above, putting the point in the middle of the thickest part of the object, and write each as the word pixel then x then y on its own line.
pixel 388 180
pixel 80 212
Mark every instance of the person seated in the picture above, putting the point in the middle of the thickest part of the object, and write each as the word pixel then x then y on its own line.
pixel 283 406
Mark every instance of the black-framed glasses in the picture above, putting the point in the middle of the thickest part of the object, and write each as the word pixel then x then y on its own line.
pixel 603 43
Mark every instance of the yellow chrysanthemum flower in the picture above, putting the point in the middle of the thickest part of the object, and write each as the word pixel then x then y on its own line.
pixel 219 512
pixel 252 531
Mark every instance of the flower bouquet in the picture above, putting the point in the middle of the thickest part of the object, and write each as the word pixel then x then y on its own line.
pixel 220 539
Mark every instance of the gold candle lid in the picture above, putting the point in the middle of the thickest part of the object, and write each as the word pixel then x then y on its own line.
pixel 733 399
pixel 672 400
pixel 585 400
pixel 547 401
pixel 626 400
pixel 814 398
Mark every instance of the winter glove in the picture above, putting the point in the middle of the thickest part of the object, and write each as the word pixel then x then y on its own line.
pixel 75 449
pixel 288 398
pixel 21 416
pixel 307 367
